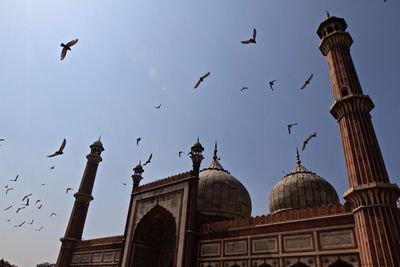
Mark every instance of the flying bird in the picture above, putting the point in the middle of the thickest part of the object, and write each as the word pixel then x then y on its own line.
pixel 14 180
pixel 40 206
pixel 53 214
pixel 8 189
pixel 8 220
pixel 308 139
pixel 44 184
pixel 180 153
pixel 41 227
pixel 2 139
pixel 60 150
pixel 244 88
pixel 158 107
pixel 37 201
pixel 138 140
pixel 19 225
pixel 25 197
pixel 32 221
pixel 27 202
pixel 52 167
pixel 8 208
pixel 307 82
pixel 201 79
pixel 289 126
pixel 123 183
pixel 251 40
pixel 67 47
pixel 68 189
pixel 148 161
pixel 5 186
pixel 21 208
pixel 271 84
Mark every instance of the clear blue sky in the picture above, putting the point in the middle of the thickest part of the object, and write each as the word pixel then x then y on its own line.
pixel 134 55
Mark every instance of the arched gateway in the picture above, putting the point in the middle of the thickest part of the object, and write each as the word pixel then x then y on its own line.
pixel 154 242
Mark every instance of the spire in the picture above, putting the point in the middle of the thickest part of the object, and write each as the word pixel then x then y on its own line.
pixel 327 14
pixel 215 157
pixel 298 156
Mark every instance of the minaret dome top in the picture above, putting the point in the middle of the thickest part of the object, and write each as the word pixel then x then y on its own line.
pixel 330 25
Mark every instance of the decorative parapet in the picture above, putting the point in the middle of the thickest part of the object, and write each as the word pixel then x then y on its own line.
pixel 161 182
pixel 110 240
pixel 280 217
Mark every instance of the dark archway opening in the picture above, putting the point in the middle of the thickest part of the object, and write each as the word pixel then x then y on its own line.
pixel 154 241
pixel 340 263
pixel 299 264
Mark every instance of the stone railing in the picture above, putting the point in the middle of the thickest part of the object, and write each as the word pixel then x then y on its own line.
pixel 276 218
pixel 168 180
pixel 100 241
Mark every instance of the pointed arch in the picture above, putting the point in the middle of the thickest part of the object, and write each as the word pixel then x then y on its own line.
pixel 154 240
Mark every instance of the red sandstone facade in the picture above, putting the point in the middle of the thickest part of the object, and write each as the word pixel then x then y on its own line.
pixel 164 227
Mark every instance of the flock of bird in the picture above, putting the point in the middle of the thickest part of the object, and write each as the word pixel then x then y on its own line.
pixel 38 202
pixel 25 201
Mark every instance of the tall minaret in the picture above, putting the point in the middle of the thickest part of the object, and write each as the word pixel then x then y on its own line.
pixel 371 194
pixel 190 248
pixel 82 199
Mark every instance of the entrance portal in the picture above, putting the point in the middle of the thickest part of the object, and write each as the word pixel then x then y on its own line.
pixel 154 241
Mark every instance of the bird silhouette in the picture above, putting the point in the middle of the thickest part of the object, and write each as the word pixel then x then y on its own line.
pixel 244 88
pixel 2 139
pixel 9 207
pixel 32 221
pixel 53 214
pixel 290 125
pixel 21 208
pixel 19 225
pixel 52 167
pixel 27 202
pixel 158 107
pixel 201 79
pixel 60 150
pixel 307 82
pixel 123 183
pixel 180 153
pixel 271 84
pixel 39 229
pixel 308 139
pixel 68 189
pixel 40 206
pixel 67 47
pixel 26 196
pixel 14 180
pixel 138 140
pixel 8 189
pixel 37 201
pixel 8 220
pixel 148 161
pixel 251 40
pixel 44 184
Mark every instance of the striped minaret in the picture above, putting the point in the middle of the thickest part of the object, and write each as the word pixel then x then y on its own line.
pixel 372 196
pixel 82 199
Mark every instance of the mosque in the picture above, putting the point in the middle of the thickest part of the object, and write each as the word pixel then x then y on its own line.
pixel 202 218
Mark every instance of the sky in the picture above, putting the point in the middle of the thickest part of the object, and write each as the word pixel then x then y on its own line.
pixel 133 56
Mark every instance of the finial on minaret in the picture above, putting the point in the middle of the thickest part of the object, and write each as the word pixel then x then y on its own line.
pixel 137 175
pixel 196 154
pixel 297 156
pixel 327 14
pixel 215 151
pixel 100 138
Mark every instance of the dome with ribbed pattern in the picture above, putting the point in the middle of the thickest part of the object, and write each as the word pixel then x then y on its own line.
pixel 221 195
pixel 301 189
